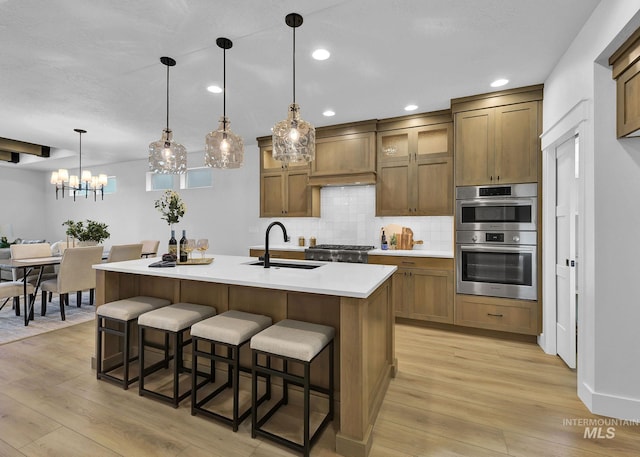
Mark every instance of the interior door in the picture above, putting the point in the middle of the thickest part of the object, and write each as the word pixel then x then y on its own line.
pixel 566 213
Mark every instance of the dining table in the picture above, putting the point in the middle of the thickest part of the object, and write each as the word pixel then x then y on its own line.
pixel 27 266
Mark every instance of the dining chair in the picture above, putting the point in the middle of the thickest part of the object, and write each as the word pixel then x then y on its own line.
pixel 150 247
pixel 75 274
pixel 121 252
pixel 30 251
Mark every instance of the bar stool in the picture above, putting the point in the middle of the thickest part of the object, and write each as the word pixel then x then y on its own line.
pixel 124 313
pixel 299 342
pixel 233 330
pixel 173 321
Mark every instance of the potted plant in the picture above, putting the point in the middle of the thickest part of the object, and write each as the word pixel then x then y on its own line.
pixel 89 233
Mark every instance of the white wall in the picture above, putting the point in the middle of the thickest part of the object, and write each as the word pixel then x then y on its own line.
pixel 23 203
pixel 608 354
pixel 226 213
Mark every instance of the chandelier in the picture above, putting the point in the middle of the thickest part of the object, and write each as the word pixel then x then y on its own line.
pixel 294 140
pixel 165 155
pixel 223 148
pixel 82 182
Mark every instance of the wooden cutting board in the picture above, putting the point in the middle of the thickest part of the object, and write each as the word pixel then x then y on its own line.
pixel 404 236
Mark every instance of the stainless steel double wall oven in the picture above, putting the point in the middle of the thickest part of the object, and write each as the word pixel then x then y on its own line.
pixel 496 240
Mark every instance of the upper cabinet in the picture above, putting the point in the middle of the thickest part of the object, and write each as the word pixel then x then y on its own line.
pixel 345 155
pixel 284 190
pixel 415 166
pixel 497 137
pixel 626 71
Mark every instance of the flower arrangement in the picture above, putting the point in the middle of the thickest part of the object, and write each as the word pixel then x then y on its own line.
pixel 93 231
pixel 171 206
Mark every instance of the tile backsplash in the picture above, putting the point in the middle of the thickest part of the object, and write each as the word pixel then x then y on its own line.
pixel 348 217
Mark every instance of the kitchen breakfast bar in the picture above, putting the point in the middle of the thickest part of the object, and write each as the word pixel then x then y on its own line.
pixel 355 299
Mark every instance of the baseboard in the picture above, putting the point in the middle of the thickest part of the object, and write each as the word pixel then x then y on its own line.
pixel 609 405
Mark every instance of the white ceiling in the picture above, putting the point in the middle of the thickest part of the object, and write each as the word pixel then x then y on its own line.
pixel 95 64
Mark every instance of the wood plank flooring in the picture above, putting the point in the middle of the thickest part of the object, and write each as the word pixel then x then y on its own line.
pixel 455 395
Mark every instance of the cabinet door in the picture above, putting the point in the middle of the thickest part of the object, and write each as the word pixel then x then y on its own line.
pixel 344 154
pixel 433 172
pixel 272 194
pixel 432 295
pixel 434 187
pixel 401 294
pixel 297 194
pixel 517 143
pixel 475 145
pixel 392 189
pixel 395 146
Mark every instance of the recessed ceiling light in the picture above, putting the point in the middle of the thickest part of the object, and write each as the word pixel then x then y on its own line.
pixel 321 54
pixel 499 82
pixel 329 113
pixel 215 89
pixel 411 107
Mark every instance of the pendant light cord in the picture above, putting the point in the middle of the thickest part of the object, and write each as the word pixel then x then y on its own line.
pixel 294 64
pixel 80 170
pixel 167 97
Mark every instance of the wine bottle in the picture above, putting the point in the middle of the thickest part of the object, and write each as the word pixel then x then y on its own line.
pixel 184 256
pixel 383 241
pixel 173 244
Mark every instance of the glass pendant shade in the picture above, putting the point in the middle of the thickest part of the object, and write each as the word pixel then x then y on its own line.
pixel 166 156
pixel 223 148
pixel 294 139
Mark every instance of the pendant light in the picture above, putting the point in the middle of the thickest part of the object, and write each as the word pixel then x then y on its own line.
pixel 223 148
pixel 294 140
pixel 82 182
pixel 165 155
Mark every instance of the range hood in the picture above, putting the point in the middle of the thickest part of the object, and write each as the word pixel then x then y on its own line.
pixel 345 155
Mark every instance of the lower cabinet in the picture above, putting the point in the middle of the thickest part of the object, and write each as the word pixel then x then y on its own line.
pixel 423 287
pixel 493 313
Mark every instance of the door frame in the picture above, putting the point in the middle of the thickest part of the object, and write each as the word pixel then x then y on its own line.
pixel 575 122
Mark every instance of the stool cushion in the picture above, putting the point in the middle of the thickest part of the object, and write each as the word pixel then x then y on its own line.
pixel 14 289
pixel 293 339
pixel 176 317
pixel 130 308
pixel 231 327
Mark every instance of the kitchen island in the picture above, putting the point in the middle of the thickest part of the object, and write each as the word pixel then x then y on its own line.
pixel 355 299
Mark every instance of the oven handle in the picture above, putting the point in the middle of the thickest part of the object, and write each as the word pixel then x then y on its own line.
pixel 476 248
pixel 521 201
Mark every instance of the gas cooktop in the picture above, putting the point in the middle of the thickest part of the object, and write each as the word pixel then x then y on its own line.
pixel 342 247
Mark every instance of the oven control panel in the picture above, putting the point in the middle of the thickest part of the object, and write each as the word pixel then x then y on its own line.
pixel 493 237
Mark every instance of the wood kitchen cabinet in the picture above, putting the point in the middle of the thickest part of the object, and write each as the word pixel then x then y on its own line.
pixel 626 72
pixel 284 190
pixel 422 287
pixel 345 154
pixel 415 166
pixel 493 313
pixel 497 137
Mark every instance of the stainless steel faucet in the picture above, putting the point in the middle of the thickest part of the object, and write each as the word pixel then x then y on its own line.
pixel 265 257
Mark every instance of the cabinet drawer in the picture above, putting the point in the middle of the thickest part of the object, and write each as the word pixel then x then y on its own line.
pixel 517 316
pixel 412 261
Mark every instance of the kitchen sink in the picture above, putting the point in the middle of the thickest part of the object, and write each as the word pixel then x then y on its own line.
pixel 301 266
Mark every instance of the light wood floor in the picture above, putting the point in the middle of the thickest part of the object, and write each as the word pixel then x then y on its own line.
pixel 455 395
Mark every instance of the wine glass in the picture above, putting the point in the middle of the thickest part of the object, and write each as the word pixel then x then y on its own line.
pixel 190 246
pixel 202 245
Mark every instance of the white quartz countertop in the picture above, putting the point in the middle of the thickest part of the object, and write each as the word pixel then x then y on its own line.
pixel 398 252
pixel 331 278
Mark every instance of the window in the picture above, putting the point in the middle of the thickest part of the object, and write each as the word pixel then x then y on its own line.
pixel 111 186
pixel 159 181
pixel 196 178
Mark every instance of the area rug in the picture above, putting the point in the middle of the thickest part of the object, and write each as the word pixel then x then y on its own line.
pixel 12 327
